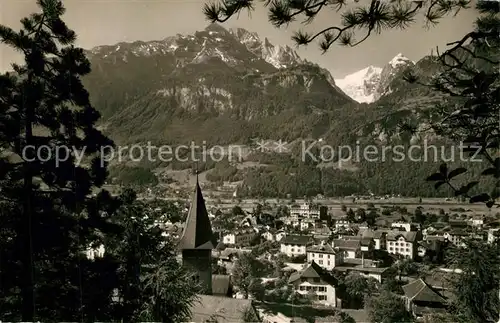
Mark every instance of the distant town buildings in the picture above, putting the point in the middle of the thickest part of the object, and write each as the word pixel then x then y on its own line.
pixel 313 244
pixel 307 211
pixel 406 226
pixel 93 253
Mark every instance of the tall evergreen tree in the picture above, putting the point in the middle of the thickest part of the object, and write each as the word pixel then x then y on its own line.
pixel 47 125
pixel 150 282
pixel 50 161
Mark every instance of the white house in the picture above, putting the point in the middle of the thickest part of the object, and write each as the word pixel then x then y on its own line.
pixel 402 243
pixel 280 235
pixel 405 226
pixel 239 238
pixel 93 253
pixel 269 236
pixel 295 245
pixel 307 224
pixel 325 256
pixel 315 282
pixel 342 224
pixel 350 248
pixel 273 235
pixel 493 234
pixel 456 236
pixel 305 210
pixel 476 221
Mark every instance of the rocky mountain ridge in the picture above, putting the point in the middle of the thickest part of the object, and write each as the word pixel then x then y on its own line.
pixel 162 89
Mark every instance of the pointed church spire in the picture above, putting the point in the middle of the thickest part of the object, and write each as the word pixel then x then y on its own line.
pixel 196 170
pixel 197 232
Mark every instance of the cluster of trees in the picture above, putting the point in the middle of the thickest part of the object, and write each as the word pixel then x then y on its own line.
pixel 361 215
pixel 132 176
pixel 248 270
pixel 167 210
pixel 224 171
pixel 278 291
pixel 50 218
pixel 287 174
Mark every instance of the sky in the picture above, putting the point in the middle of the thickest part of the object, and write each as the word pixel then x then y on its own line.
pixel 106 22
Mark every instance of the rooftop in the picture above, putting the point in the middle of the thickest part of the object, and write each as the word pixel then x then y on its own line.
pixel 409 236
pixel 296 239
pixel 346 244
pixel 325 248
pixel 361 269
pixel 223 309
pixel 313 271
pixel 364 241
pixel 420 291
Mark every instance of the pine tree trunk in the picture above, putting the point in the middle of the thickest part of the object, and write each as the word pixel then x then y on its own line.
pixel 28 289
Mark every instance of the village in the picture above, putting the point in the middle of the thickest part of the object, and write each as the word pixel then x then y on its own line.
pixel 307 262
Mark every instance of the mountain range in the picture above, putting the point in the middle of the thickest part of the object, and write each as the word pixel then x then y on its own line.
pixel 206 85
pixel 229 86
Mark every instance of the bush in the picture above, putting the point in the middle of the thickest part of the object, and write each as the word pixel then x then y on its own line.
pixel 298 259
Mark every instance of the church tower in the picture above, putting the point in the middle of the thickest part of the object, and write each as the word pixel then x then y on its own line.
pixel 197 241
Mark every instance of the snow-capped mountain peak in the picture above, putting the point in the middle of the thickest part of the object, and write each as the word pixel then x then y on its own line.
pixel 361 85
pixel 399 60
pixel 390 71
pixel 370 83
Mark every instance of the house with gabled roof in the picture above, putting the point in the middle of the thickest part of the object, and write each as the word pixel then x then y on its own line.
pixel 402 243
pixel 322 231
pixel 295 245
pixel 421 299
pixel 241 237
pixel 350 248
pixel 316 283
pixel 457 236
pixel 365 267
pixel 325 256
pixel 366 243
